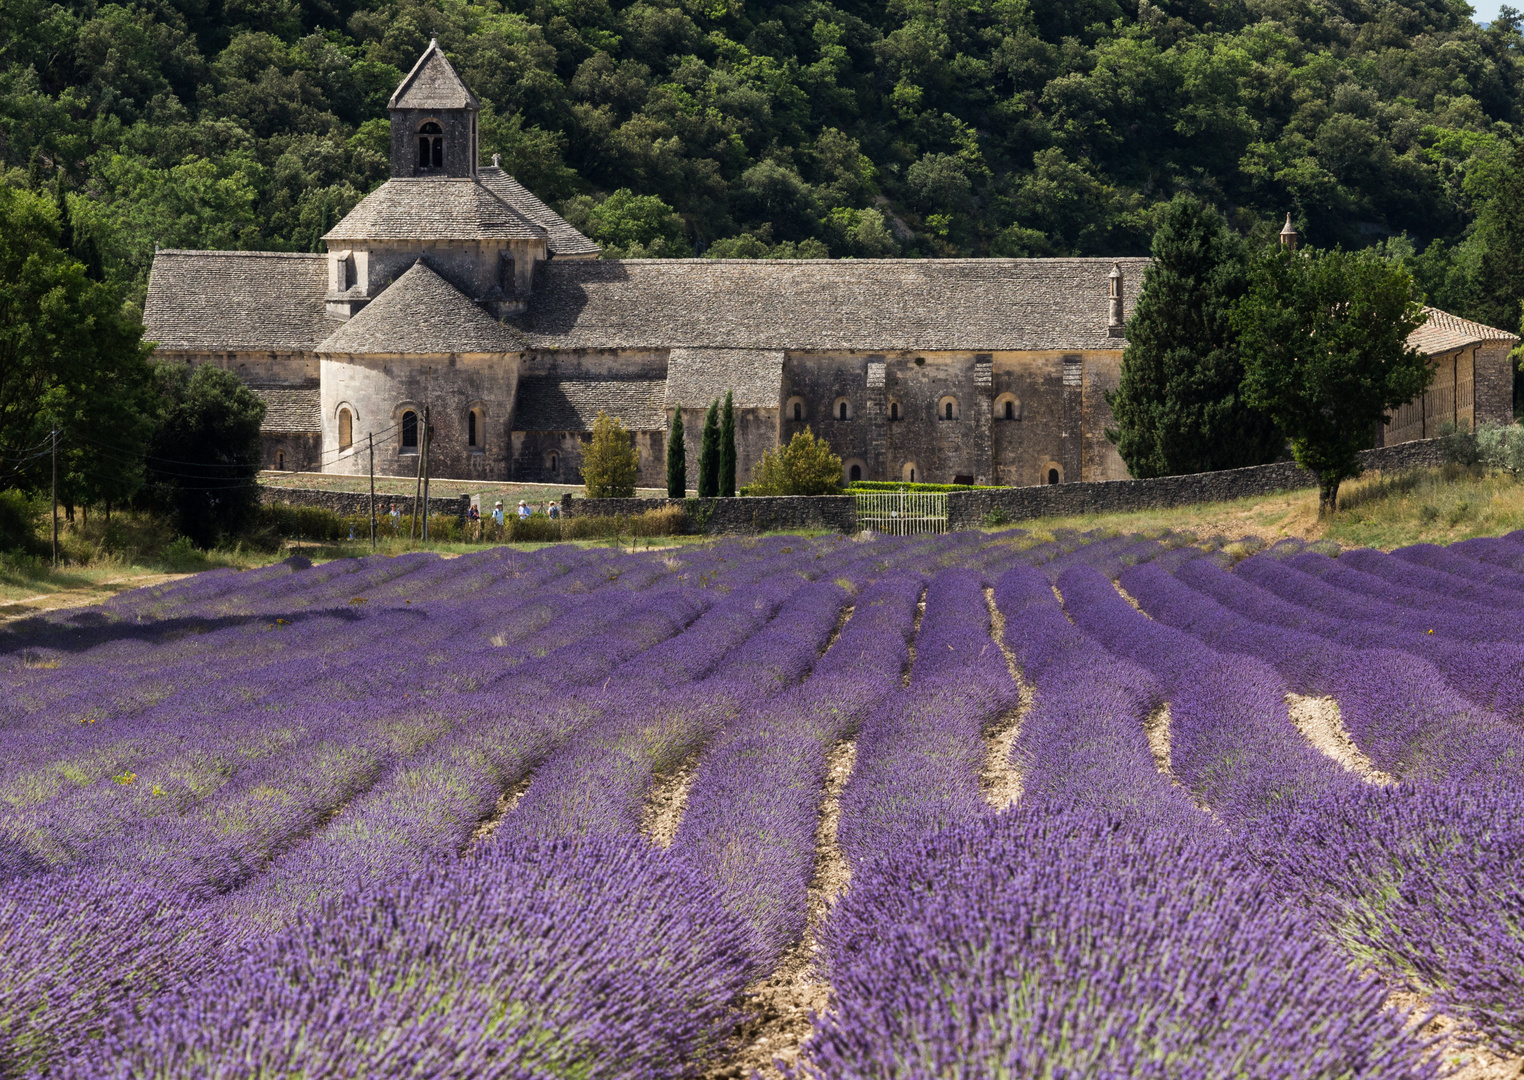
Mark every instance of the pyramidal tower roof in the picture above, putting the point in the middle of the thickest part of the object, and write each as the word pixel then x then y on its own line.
pixel 432 84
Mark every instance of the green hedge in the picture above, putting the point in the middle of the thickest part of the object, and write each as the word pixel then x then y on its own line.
pixel 885 485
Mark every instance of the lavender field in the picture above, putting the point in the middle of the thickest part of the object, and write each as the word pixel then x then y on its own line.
pixel 954 806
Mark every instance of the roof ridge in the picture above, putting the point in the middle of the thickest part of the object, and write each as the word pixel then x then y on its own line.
pixel 701 260
pixel 408 80
pixel 225 252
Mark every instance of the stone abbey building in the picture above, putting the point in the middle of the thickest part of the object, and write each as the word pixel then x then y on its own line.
pixel 452 289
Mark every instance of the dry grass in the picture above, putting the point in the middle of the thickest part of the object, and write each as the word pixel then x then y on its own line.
pixel 1390 510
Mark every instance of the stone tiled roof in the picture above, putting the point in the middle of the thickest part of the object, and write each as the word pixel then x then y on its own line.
pixel 564 240
pixel 979 304
pixel 230 301
pixel 433 208
pixel 695 377
pixel 551 403
pixel 291 409
pixel 1445 332
pixel 432 84
pixel 421 312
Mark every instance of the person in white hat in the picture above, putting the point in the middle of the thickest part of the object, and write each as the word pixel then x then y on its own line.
pixel 524 510
pixel 497 515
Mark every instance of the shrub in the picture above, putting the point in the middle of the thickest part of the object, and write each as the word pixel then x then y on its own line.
pixel 805 466
pixel 609 464
pixel 17 514
pixel 1498 447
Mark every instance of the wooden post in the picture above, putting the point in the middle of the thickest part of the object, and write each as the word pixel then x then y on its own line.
pixel 426 440
pixel 55 498
pixel 371 438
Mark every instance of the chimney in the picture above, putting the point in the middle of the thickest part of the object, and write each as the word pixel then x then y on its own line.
pixel 1114 294
pixel 1288 235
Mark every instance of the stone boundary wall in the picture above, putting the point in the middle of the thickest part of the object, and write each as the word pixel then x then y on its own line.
pixel 965 509
pixel 763 513
pixel 353 504
pixel 970 509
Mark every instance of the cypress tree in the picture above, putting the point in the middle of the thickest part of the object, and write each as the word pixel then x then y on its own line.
pixel 728 448
pixel 709 453
pixel 1179 407
pixel 677 457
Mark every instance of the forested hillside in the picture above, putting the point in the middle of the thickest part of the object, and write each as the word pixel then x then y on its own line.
pixel 859 127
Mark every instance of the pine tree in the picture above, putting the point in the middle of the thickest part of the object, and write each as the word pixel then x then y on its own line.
pixel 728 448
pixel 1179 407
pixel 709 453
pixel 677 457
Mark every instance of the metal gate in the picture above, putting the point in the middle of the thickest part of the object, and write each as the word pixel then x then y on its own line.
pixel 902 513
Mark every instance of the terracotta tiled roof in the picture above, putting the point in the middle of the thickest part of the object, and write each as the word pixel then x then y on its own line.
pixel 979 304
pixel 695 377
pixel 564 240
pixel 229 301
pixel 433 208
pixel 551 403
pixel 1444 332
pixel 291 409
pixel 421 312
pixel 432 84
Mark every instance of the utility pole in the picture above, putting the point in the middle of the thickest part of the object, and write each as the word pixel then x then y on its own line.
pixel 428 431
pixel 55 498
pixel 372 440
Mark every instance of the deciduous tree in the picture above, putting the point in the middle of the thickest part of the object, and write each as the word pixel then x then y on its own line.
pixel 1324 337
pixel 806 466
pixel 609 461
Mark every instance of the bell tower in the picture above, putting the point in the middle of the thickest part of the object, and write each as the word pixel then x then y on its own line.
pixel 433 120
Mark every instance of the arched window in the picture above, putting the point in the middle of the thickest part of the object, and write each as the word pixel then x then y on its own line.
pixel 894 410
pixel 431 146
pixel 856 473
pixel 1007 407
pixel 842 409
pixel 1010 410
pixel 552 462
pixel 346 429
pixel 409 431
pixel 1052 476
pixel 907 472
pixel 947 408
pixel 798 410
pixel 280 460
pixel 794 409
pixel 948 415
pixel 472 438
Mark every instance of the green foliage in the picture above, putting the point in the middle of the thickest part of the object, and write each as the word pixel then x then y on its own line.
pixel 727 485
pixel 805 466
pixel 630 226
pixel 1046 127
pixel 709 454
pixel 677 456
pixel 1501 447
pixel 204 454
pixel 69 359
pixel 1500 270
pixel 1178 407
pixel 609 461
pixel 17 516
pixel 1324 337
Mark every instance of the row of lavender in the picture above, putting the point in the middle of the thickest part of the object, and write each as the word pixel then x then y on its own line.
pixel 311 749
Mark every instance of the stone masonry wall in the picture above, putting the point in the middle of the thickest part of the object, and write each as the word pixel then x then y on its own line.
pixel 969 509
pixel 349 503
pixel 748 515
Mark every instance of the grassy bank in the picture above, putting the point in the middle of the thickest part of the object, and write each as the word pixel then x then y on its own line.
pixel 1428 506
